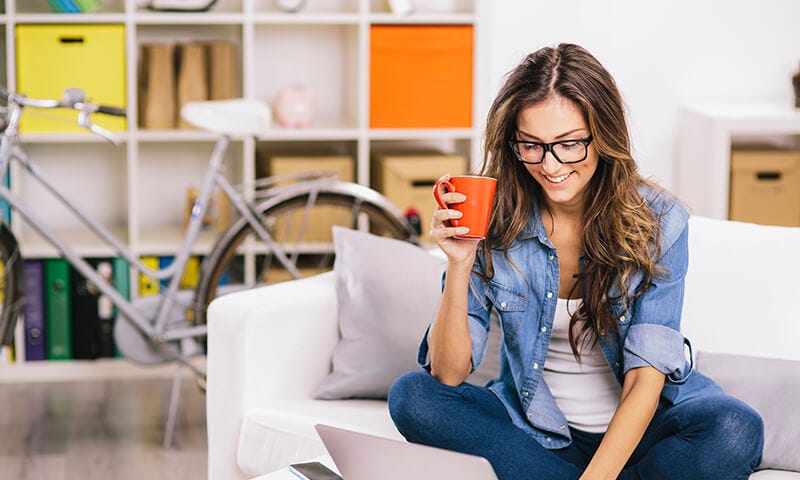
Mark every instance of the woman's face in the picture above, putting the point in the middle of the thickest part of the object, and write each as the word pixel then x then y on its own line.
pixel 553 120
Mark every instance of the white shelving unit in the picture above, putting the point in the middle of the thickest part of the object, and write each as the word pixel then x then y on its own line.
pixel 707 131
pixel 138 189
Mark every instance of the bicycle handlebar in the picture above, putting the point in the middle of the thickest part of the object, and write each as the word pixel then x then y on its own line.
pixel 73 99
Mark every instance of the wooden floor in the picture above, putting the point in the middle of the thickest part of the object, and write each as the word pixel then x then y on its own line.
pixel 110 429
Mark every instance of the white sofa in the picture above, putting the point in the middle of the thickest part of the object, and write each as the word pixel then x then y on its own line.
pixel 269 348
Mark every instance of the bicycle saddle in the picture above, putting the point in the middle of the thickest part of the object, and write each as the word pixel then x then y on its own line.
pixel 229 117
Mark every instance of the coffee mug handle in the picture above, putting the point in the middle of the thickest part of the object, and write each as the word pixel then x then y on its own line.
pixel 437 192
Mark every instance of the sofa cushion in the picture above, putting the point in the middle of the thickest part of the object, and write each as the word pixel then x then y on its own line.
pixel 772 387
pixel 283 432
pixel 387 292
pixel 739 279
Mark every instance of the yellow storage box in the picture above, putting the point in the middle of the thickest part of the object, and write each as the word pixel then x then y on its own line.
pixel 52 58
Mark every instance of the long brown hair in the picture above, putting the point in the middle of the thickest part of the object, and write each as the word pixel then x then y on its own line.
pixel 619 232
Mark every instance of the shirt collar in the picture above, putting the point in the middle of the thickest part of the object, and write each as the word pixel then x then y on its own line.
pixel 534 227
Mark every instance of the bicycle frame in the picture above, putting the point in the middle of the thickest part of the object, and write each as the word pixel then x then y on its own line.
pixel 11 150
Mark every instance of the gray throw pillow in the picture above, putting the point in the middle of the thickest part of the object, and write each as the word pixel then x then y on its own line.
pixel 388 292
pixel 772 387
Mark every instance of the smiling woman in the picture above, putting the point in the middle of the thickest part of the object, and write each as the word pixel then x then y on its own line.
pixel 593 257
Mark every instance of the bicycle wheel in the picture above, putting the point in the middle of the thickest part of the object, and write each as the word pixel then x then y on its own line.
pixel 11 293
pixel 300 223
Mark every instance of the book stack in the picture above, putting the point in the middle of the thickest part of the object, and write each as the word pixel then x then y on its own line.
pixel 74 6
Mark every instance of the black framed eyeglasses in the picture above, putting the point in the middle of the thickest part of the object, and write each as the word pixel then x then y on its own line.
pixel 564 151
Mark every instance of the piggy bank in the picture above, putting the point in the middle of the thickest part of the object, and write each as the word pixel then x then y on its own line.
pixel 294 106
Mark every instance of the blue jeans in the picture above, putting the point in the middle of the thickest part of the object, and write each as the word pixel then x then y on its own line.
pixel 715 437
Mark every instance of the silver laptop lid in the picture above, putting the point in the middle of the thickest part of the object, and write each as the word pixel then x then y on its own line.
pixel 359 456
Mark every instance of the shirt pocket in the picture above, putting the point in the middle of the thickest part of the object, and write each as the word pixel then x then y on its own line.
pixel 621 312
pixel 511 304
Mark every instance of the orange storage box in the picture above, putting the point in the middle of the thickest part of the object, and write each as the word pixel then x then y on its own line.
pixel 421 76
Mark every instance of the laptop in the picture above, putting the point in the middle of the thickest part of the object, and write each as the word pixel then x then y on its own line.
pixel 359 456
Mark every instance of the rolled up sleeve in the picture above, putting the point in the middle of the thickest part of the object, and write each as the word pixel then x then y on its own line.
pixel 654 338
pixel 478 323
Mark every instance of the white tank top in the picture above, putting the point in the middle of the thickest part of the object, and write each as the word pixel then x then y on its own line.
pixel 587 393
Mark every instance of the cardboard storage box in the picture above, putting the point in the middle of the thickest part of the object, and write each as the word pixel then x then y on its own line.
pixel 321 219
pixel 765 186
pixel 52 58
pixel 407 180
pixel 420 76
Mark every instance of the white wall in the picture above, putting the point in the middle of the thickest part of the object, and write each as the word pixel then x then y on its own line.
pixel 662 54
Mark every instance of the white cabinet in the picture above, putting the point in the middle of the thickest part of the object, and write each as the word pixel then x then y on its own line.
pixel 706 134
pixel 138 189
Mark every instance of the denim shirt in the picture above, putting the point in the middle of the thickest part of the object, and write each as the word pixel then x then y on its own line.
pixel 525 299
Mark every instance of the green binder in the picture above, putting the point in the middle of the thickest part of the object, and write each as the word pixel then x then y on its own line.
pixel 122 284
pixel 57 309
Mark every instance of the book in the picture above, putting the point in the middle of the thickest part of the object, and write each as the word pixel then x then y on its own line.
pixel 191 273
pixel 148 285
pixel 92 313
pixel 5 208
pixel 122 284
pixel 222 79
pixel 34 310
pixel 164 262
pixel 58 312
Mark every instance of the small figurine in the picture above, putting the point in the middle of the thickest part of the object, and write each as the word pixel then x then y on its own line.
pixel 294 106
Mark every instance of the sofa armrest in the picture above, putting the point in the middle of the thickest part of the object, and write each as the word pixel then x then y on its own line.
pixel 269 343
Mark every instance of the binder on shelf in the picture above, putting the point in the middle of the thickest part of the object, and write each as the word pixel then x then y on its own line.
pixel 148 285
pixel 58 311
pixel 92 313
pixel 192 78
pixel 164 262
pixel 191 273
pixel 5 208
pixel 122 284
pixel 222 77
pixel 157 87
pixel 34 310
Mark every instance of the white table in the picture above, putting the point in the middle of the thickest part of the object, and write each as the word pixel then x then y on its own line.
pixel 284 474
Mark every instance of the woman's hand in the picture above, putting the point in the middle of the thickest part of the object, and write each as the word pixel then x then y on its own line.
pixel 458 250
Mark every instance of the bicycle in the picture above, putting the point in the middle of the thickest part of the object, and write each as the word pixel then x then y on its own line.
pixel 170 326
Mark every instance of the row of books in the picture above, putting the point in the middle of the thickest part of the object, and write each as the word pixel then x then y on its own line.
pixel 67 317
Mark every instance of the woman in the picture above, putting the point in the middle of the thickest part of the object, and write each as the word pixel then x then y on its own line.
pixel 585 264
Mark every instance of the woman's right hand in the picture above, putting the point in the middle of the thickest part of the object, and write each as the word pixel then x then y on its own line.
pixel 458 250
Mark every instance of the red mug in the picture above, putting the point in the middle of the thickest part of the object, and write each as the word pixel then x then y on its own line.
pixel 477 207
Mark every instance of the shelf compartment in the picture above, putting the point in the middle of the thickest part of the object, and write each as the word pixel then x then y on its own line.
pixel 219 10
pixel 310 8
pixel 41 7
pixel 93 176
pixel 333 148
pixel 431 8
pixel 165 173
pixel 321 57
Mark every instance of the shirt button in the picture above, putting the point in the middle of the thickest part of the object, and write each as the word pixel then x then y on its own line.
pixel 549 439
pixel 535 366
pixel 549 294
pixel 550 257
pixel 563 427
pixel 525 393
pixel 543 329
pixel 503 304
pixel 622 318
